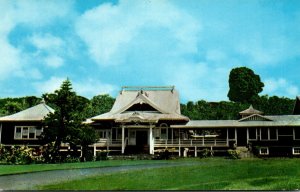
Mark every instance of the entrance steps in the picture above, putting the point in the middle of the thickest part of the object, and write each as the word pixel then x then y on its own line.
pixel 244 152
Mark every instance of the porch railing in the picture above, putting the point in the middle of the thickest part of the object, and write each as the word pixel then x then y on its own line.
pixel 190 142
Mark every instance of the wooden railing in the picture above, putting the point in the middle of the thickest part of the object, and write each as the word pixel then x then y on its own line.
pixel 190 142
pixel 105 142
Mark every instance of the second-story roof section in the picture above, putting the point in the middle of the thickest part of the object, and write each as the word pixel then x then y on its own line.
pixel 164 101
pixel 250 111
pixel 35 113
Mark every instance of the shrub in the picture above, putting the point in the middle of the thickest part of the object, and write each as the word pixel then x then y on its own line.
pixel 206 153
pixel 234 154
pixel 101 156
pixel 16 155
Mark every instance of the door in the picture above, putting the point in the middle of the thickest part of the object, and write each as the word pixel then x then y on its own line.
pixel 241 137
pixel 142 140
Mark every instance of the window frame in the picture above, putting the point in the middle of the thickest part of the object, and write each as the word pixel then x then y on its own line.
pixel 298 149
pixel 260 152
pixel 28 132
pixel 268 132
pixel 294 135
pixel 251 139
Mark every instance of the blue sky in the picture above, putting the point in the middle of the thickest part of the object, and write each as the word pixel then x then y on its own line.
pixel 103 45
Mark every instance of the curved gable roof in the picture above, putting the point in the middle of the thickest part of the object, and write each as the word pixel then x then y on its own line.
pixel 35 113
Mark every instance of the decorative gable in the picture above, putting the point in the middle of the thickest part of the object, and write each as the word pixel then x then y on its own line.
pixel 255 117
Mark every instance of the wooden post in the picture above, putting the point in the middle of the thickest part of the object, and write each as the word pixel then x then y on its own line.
pixel 227 138
pixel 247 135
pixel 95 150
pixel 0 132
pixel 123 139
pixel 235 135
pixel 151 139
pixel 195 151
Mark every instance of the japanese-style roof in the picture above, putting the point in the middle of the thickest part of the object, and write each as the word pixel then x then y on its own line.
pixel 35 113
pixel 274 121
pixel 163 103
pixel 296 110
pixel 250 111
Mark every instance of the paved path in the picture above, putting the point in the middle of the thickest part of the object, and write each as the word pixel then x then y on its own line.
pixel 29 181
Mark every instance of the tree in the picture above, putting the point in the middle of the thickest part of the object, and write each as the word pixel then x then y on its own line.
pixel 65 124
pixel 98 105
pixel 244 85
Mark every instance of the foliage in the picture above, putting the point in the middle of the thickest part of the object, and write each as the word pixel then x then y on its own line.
pixel 98 105
pixel 202 110
pixel 206 153
pixel 65 124
pixel 16 155
pixel 9 106
pixel 234 154
pixel 244 85
pixel 101 155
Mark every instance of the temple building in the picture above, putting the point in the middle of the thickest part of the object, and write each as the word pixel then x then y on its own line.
pixel 148 120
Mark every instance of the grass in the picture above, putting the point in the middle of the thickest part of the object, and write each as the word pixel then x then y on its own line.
pixel 208 174
pixel 17 169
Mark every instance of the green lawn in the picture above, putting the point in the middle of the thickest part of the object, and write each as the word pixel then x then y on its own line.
pixel 207 174
pixel 15 169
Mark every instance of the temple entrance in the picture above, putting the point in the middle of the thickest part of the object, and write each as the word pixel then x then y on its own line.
pixel 142 145
pixel 241 137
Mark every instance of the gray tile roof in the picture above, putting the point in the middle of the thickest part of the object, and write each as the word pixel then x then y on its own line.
pixel 35 113
pixel 276 121
pixel 166 102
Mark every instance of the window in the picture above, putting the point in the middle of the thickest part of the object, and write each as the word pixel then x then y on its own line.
pixel 231 133
pixel 268 134
pixel 296 133
pixel 252 133
pixel 156 133
pixel 296 150
pixel 104 134
pixel 163 133
pixel 273 134
pixel 27 132
pixel 264 151
pixel 264 134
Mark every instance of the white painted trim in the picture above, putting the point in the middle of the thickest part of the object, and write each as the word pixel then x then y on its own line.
pixel 264 153
pixel 235 135
pixel 247 135
pixel 151 140
pixel 298 153
pixel 227 138
pixel 29 127
pixel 123 139
pixel 0 132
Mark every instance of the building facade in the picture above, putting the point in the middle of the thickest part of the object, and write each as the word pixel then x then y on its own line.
pixel 148 120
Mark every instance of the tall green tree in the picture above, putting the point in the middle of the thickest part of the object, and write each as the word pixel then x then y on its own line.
pixel 244 85
pixel 98 105
pixel 65 124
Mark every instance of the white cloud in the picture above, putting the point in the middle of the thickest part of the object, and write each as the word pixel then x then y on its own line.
pixel 32 13
pixel 10 62
pixel 279 87
pixel 54 61
pixel 48 86
pixel 110 31
pixel 200 81
pixel 92 87
pixel 87 88
pixel 46 42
